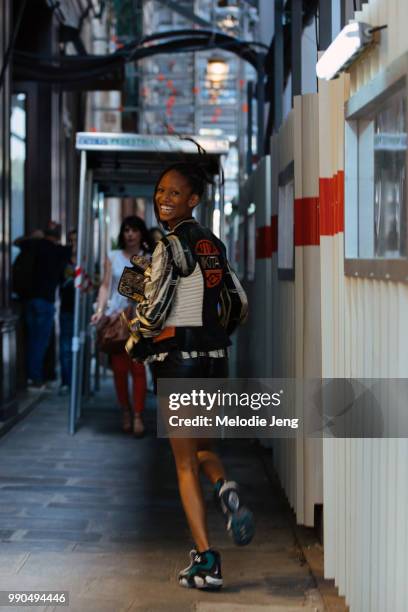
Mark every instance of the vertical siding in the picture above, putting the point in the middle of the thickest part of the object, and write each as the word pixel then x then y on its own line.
pixel 393 40
pixel 366 490
pixel 330 325
pixel 364 331
pixel 296 309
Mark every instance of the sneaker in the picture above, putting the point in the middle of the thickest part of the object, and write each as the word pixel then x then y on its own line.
pixel 204 571
pixel 240 520
pixel 35 385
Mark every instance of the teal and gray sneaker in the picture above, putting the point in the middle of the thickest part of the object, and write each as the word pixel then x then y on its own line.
pixel 239 520
pixel 204 571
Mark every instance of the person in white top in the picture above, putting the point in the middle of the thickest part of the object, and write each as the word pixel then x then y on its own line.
pixel 134 239
pixel 193 301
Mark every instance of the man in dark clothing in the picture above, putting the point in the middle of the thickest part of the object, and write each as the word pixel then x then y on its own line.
pixel 48 261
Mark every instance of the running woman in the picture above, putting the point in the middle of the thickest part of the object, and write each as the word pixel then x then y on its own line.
pixel 188 282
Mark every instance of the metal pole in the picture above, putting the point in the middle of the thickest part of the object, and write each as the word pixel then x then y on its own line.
pixel 77 312
pixel 343 13
pixel 99 256
pixel 260 87
pixel 278 66
pixel 221 203
pixel 325 24
pixel 89 295
pixel 250 95
pixel 210 208
pixel 83 316
pixel 80 359
pixel 296 47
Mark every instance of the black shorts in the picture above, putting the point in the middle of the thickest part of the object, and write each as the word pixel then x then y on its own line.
pixel 175 366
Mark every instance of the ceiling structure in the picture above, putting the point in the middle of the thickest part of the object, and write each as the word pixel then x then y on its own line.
pixel 176 95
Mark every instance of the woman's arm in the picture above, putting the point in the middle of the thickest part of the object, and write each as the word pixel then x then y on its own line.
pixel 103 293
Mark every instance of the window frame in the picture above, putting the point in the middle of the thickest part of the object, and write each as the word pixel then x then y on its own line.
pixel 360 107
pixel 285 177
pixel 250 243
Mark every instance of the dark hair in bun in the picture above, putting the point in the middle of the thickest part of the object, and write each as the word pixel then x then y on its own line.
pixel 198 173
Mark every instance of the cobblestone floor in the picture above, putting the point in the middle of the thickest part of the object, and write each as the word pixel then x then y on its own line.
pixel 98 514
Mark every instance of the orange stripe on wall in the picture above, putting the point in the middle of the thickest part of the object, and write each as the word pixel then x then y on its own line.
pixel 332 204
pixel 340 198
pixel 267 239
pixel 314 217
pixel 274 225
pixel 306 221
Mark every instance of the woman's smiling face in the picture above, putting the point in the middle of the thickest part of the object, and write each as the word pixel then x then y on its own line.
pixel 174 198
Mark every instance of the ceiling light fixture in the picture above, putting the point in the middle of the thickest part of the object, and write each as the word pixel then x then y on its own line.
pixel 228 22
pixel 217 71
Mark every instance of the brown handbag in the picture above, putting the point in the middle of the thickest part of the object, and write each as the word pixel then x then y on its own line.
pixel 112 333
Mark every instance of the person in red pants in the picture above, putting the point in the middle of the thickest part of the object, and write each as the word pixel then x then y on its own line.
pixel 122 366
pixel 134 239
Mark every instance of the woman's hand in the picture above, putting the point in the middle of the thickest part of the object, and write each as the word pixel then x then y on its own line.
pixel 103 293
pixel 96 317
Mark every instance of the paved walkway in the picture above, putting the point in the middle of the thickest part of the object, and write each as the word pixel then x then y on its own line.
pixel 98 514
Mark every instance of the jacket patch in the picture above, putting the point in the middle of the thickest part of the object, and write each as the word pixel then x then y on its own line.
pixel 210 263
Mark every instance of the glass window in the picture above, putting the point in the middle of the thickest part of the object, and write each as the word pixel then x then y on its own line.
pixel 286 249
pixel 376 187
pixel 18 157
pixel 251 243
pixel 390 198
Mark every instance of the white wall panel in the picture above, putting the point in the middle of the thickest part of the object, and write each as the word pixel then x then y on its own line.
pixel 296 309
pixel 364 331
pixel 325 324
pixel 364 327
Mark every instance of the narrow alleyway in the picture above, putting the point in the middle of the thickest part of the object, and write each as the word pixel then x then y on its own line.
pixel 98 515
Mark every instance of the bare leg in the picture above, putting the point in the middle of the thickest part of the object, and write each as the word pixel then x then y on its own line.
pixel 209 461
pixel 187 466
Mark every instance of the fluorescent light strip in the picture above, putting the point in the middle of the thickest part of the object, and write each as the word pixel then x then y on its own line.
pixel 344 50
